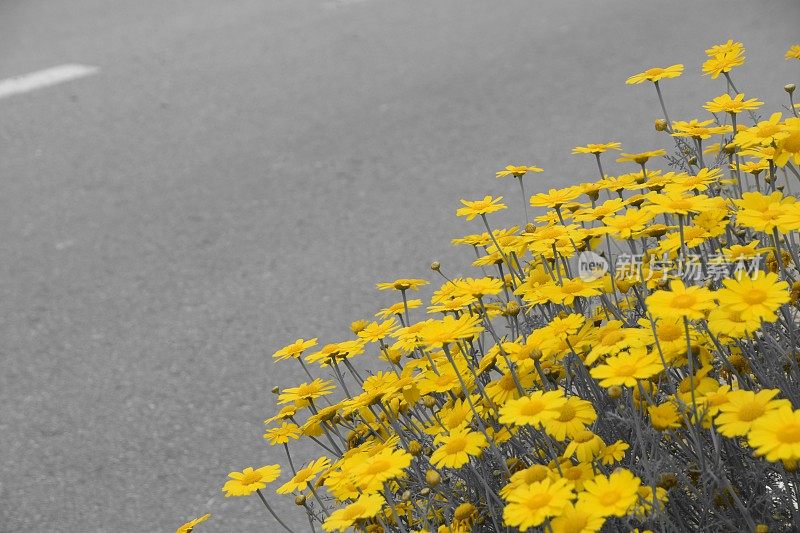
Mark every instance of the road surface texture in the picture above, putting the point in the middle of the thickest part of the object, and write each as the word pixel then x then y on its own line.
pixel 239 174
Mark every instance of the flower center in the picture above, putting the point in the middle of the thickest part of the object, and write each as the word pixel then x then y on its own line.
pixel 609 498
pixel 250 477
pixel 377 466
pixel 613 337
pixel 531 408
pixel 791 143
pixel 750 411
pixel 566 413
pixel 538 501
pixel 355 510
pixel 572 286
pixel 755 296
pixel 790 433
pixel 456 445
pixel 768 130
pixel 683 301
pixel 626 369
pixel 669 332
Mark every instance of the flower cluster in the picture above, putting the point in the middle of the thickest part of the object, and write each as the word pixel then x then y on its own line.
pixel 536 395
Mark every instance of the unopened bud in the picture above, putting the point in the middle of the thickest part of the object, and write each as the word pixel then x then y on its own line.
pixel 615 391
pixel 300 500
pixel 435 266
pixel 406 496
pixel 358 326
pixel 276 390
pixel 789 88
pixel 761 528
pixel 512 309
pixel 433 478
pixel 414 448
pixel 661 125
pixel 729 148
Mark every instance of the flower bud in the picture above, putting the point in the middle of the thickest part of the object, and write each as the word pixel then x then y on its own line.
pixel 358 326
pixel 789 88
pixel 661 124
pixel 435 266
pixel 512 309
pixel 432 478
pixel 761 528
pixel 667 480
pixel 300 500
pixel 729 148
pixel 414 448
pixel 276 390
pixel 615 391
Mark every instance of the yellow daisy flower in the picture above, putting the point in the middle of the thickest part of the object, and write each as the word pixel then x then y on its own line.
pixel 250 480
pixel 612 495
pixel 366 506
pixel 188 527
pixel 655 74
pixel 456 447
pixel 530 505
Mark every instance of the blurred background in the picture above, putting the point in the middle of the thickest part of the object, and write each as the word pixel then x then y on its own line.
pixel 238 174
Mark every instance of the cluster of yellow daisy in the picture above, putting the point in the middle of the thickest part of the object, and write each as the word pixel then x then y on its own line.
pixel 628 360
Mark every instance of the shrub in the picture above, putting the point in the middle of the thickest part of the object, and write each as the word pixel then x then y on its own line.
pixel 628 359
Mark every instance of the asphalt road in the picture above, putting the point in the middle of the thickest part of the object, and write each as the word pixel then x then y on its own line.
pixel 239 174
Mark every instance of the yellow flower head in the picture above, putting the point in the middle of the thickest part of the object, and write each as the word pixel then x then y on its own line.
pixel 250 480
pixel 612 495
pixel 530 505
pixel 596 148
pixel 188 527
pixel 642 157
pixel 366 506
pixel 475 208
pixel 726 104
pixel 517 171
pixel 655 74
pixel 455 448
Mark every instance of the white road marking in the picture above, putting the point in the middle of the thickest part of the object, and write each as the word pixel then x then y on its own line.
pixel 44 78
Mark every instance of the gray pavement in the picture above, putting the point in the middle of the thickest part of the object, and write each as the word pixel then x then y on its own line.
pixel 240 174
